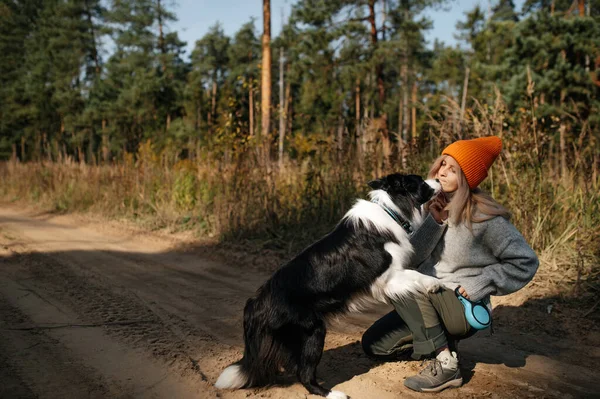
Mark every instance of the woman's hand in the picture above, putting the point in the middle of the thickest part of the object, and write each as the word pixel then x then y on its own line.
pixel 463 292
pixel 436 207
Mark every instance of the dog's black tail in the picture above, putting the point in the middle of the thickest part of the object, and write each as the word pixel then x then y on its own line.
pixel 263 353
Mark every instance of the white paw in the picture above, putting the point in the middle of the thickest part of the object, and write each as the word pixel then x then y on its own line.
pixel 433 288
pixel 432 285
pixel 337 395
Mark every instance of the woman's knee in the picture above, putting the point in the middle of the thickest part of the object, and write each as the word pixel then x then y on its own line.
pixel 372 345
pixel 368 344
pixel 385 336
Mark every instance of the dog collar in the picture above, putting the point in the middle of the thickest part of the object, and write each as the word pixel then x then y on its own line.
pixel 394 215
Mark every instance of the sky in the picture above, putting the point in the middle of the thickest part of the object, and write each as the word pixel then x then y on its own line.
pixel 195 17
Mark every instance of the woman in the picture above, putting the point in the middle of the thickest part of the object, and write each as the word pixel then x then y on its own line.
pixel 467 242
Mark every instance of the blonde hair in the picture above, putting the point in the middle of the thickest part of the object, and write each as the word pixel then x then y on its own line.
pixel 468 206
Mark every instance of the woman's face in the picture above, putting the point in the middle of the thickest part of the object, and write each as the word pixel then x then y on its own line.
pixel 447 174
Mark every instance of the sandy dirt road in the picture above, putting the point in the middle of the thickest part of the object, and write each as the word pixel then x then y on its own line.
pixel 99 310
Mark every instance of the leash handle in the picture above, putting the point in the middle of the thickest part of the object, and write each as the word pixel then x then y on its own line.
pixel 477 314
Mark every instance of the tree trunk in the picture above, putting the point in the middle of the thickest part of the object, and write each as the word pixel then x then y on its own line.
pixel 380 86
pixel 209 115
pixel 357 109
pixel 463 103
pixel 90 155
pixel 404 78
pixel 552 159
pixel 358 128
pixel 487 27
pixel 288 106
pixel 250 100
pixel 383 19
pixel 266 76
pixel 61 150
pixel 379 66
pixel 251 107
pixel 38 146
pixel 44 147
pixel 400 116
pixel 161 38
pixel 563 151
pixel 413 122
pixel 587 56
pixel 96 59
pixel 80 153
pixel 94 49
pixel 281 109
pixel 22 149
pixel 340 134
pixel 198 117
pixel 340 127
pixel 105 144
pixel 581 7
pixel 163 52
pixel 213 107
pixel 405 116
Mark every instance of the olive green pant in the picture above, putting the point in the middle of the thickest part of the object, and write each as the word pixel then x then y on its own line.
pixel 421 322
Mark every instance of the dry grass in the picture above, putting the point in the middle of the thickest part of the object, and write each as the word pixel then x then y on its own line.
pixel 287 208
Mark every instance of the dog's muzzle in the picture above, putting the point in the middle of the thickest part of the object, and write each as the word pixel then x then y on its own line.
pixel 435 184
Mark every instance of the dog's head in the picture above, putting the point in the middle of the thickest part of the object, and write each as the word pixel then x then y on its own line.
pixel 406 190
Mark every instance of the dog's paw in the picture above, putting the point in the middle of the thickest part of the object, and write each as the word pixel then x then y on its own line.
pixel 433 288
pixel 432 285
pixel 337 395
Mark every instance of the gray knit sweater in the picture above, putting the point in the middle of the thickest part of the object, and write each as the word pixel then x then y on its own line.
pixel 492 259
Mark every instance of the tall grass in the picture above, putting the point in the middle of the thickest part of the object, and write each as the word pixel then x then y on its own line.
pixel 558 212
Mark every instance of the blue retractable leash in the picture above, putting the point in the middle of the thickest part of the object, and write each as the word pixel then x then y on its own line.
pixel 477 313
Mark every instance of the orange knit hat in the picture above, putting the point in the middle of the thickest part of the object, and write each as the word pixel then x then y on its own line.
pixel 475 157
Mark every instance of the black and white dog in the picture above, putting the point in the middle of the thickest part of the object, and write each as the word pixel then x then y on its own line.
pixel 362 260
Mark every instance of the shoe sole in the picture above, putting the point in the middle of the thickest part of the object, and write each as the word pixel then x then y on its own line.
pixel 450 384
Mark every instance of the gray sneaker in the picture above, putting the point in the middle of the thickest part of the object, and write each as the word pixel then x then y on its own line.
pixel 440 373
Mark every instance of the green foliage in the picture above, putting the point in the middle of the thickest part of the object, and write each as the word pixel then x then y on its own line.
pixel 185 190
pixel 553 50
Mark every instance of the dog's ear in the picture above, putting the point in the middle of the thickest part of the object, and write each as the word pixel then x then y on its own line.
pixel 412 182
pixel 396 182
pixel 377 184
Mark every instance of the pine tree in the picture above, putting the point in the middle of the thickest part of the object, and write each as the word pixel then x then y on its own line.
pixel 144 74
pixel 209 71
pixel 16 21
pixel 488 36
pixel 408 56
pixel 545 69
pixel 244 60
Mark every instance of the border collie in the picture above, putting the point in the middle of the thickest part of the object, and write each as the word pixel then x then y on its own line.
pixel 362 260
